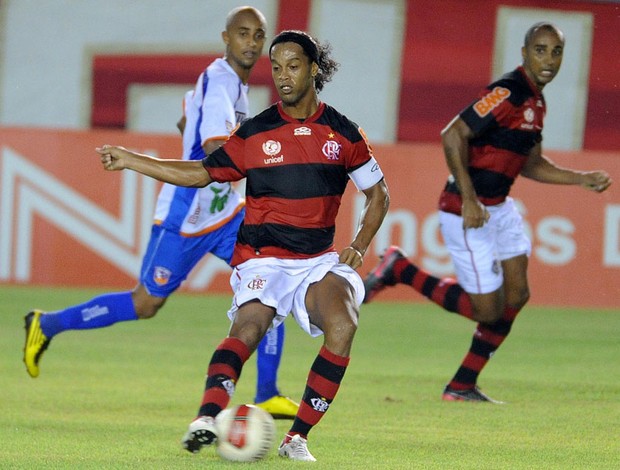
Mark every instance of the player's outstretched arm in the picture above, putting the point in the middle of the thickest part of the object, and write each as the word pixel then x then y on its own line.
pixel 540 168
pixel 189 173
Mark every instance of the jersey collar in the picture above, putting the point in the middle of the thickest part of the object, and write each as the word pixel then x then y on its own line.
pixel 530 83
pixel 312 118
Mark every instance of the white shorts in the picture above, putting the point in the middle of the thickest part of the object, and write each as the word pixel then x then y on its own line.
pixel 283 283
pixel 477 252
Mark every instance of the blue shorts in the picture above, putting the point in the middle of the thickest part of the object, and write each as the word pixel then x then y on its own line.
pixel 170 257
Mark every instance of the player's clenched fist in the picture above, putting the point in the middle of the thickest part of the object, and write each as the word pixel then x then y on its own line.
pixel 597 181
pixel 113 158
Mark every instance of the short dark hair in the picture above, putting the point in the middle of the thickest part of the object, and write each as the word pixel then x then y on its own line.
pixel 544 25
pixel 232 15
pixel 314 50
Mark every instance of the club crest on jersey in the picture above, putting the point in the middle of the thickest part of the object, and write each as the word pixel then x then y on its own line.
pixel 491 100
pixel 303 131
pixel 257 283
pixel 529 116
pixel 272 147
pixel 331 149
pixel 161 275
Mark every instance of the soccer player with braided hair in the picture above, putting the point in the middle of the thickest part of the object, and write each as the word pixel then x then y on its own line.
pixel 297 157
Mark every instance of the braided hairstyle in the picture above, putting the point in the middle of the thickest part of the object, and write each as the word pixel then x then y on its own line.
pixel 315 51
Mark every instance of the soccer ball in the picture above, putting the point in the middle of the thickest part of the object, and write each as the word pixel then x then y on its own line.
pixel 245 433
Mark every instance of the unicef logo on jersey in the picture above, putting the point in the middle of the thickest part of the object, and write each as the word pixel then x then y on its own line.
pixel 272 147
pixel 331 149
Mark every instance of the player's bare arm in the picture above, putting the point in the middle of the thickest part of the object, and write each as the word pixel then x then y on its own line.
pixel 181 124
pixel 188 173
pixel 210 145
pixel 542 169
pixel 455 138
pixel 375 209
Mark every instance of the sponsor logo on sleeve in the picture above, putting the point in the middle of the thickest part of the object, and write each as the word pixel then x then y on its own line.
pixel 366 141
pixel 491 100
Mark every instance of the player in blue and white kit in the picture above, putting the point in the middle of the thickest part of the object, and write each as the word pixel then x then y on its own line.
pixel 189 222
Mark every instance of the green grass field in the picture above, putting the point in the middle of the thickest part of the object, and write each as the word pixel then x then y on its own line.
pixel 122 397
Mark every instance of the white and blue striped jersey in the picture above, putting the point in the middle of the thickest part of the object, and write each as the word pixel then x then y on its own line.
pixel 212 111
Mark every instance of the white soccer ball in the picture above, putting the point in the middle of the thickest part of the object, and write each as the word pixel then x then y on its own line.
pixel 245 433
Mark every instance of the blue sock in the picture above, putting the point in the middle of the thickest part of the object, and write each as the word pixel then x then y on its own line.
pixel 268 361
pixel 104 310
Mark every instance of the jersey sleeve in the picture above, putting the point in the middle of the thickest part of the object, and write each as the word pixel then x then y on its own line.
pixel 363 169
pixel 227 162
pixel 491 107
pixel 218 109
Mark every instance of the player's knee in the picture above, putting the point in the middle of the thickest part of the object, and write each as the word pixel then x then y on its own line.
pixel 523 299
pixel 487 316
pixel 488 309
pixel 517 298
pixel 148 307
pixel 349 320
pixel 348 326
pixel 339 336
pixel 341 328
pixel 146 314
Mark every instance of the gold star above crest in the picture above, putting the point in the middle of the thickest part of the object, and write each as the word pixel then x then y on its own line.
pixel 330 135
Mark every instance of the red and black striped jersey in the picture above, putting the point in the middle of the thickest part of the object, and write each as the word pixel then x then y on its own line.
pixel 296 171
pixel 507 120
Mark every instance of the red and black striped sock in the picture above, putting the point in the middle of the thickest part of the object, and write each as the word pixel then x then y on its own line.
pixel 323 382
pixel 223 373
pixel 487 338
pixel 446 292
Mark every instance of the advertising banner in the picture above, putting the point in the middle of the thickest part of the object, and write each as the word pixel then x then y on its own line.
pixel 64 221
